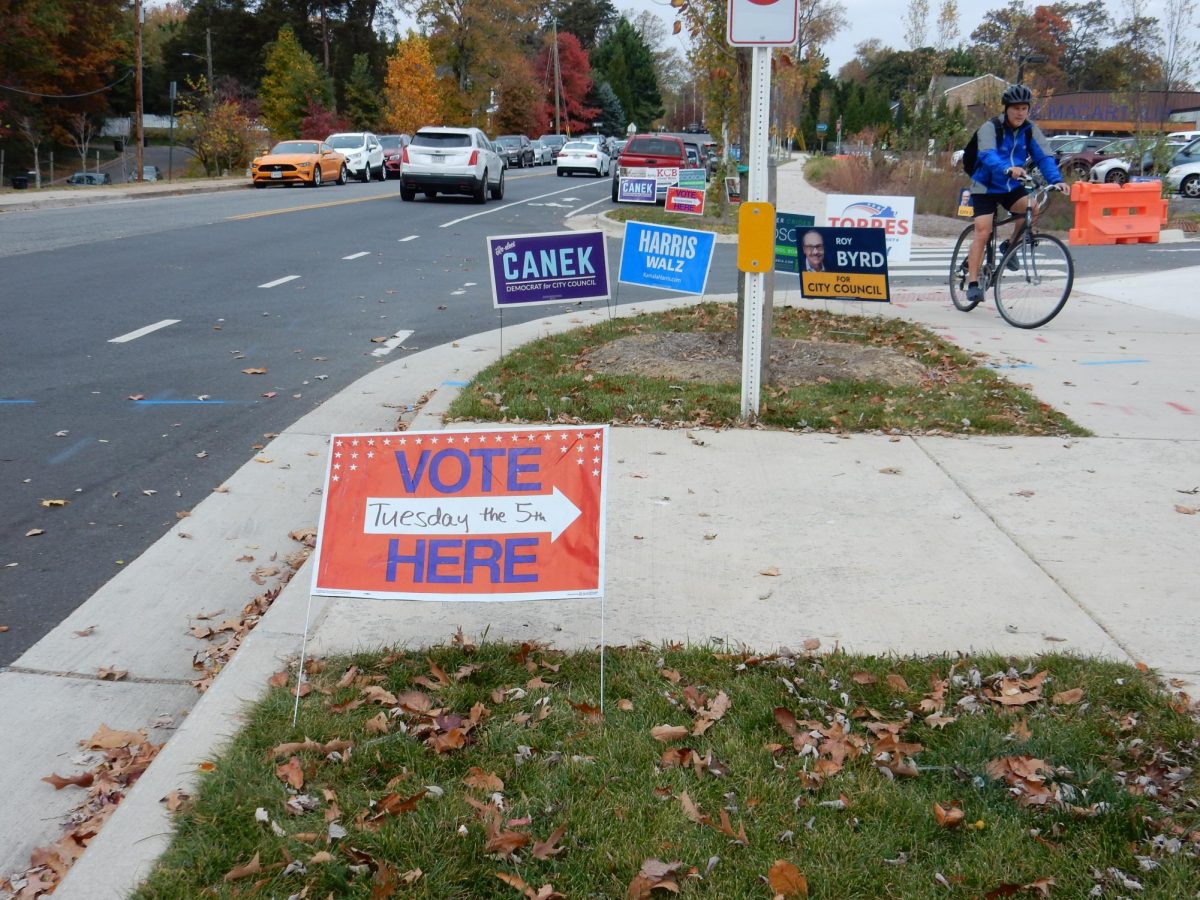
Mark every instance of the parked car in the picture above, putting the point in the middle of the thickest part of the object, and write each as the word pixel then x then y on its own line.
pixel 500 152
pixel 542 154
pixel 1077 165
pixel 299 162
pixel 1188 153
pixel 90 178
pixel 149 173
pixel 445 160
pixel 649 151
pixel 517 148
pixel 1185 179
pixel 1058 140
pixel 392 145
pixel 695 156
pixel 582 156
pixel 1118 170
pixel 1078 145
pixel 554 142
pixel 1184 136
pixel 363 152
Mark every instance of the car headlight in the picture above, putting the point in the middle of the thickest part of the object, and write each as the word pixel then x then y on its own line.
pixel 304 165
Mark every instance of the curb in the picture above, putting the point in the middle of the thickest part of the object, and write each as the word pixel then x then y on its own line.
pixel 56 198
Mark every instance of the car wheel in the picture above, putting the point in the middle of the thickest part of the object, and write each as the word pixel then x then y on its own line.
pixel 1190 187
pixel 365 177
pixel 316 179
pixel 343 175
pixel 559 172
pixel 383 173
pixel 1080 169
pixel 1116 176
pixel 615 190
pixel 480 195
pixel 407 193
pixel 498 189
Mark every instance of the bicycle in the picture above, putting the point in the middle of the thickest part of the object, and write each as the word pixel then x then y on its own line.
pixel 1032 281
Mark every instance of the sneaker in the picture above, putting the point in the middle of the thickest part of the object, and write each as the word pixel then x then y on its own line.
pixel 974 293
pixel 1012 265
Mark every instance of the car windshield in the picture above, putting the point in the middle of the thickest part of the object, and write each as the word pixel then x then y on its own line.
pixel 345 141
pixel 295 147
pixel 1116 147
pixel 553 139
pixel 509 141
pixel 579 145
pixel 440 139
pixel 1072 146
pixel 391 142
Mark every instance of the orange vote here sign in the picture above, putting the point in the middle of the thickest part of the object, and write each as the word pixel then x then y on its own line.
pixel 489 514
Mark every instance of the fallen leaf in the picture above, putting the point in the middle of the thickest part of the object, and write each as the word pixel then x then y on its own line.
pixel 1186 510
pixel 546 849
pixel 667 733
pixel 34 532
pixel 506 842
pixel 106 738
pixel 692 811
pixel 245 870
pixel 105 673
pixel 948 816
pixel 175 799
pixel 771 571
pixel 279 679
pixel 377 725
pixel 653 874
pixel 83 779
pixel 254 371
pixel 786 881
pixel 625 705
pixel 896 683
pixel 1074 695
pixel 51 503
pixel 480 780
pixel 889 470
pixel 291 772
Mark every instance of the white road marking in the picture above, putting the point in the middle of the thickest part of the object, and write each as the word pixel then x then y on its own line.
pixel 456 293
pixel 358 254
pixel 468 284
pixel 582 208
pixel 279 281
pixel 134 335
pixel 411 237
pixel 497 209
pixel 391 343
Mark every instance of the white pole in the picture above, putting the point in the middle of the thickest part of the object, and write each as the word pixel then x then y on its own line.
pixel 756 282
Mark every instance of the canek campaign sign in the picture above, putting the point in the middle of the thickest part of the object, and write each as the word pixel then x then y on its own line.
pixel 893 214
pixel 483 514
pixel 659 256
pixel 636 190
pixel 557 267
pixel 843 264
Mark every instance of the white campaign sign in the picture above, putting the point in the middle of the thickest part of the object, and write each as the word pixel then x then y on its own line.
pixel 893 214
pixel 762 23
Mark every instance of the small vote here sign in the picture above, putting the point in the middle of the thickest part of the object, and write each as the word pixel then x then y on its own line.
pixel 488 514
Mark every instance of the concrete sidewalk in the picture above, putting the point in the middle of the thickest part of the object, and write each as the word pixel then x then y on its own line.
pixel 884 544
pixel 54 197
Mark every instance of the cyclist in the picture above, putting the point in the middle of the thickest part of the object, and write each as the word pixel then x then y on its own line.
pixel 999 166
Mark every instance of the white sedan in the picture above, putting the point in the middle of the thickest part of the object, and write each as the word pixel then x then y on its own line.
pixel 582 156
pixel 1185 179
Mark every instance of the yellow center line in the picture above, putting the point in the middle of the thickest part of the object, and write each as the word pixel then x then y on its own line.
pixel 306 207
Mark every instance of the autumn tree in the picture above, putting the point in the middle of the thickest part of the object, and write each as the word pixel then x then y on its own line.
pixel 1179 48
pixel 217 127
pixel 364 103
pixel 575 113
pixel 519 98
pixel 292 80
pixel 320 121
pixel 916 23
pixel 1082 44
pixel 411 93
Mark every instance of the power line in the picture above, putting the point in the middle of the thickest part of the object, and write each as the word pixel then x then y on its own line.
pixel 107 87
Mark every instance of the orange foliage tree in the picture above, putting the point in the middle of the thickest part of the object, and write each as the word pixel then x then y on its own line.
pixel 411 91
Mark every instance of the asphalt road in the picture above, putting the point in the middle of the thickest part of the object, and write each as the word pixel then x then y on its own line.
pixel 133 433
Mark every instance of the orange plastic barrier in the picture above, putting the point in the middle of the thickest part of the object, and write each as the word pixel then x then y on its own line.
pixel 1117 213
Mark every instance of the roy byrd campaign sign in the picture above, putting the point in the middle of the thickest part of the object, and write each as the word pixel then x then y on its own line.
pixel 843 264
pixel 672 259
pixel 482 514
pixel 557 267
pixel 684 200
pixel 892 214
pixel 787 240
pixel 636 190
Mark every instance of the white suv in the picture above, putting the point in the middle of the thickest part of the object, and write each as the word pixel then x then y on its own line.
pixel 442 160
pixel 363 152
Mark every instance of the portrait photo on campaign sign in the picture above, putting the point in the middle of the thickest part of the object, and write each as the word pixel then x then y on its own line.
pixel 843 264
pixel 555 267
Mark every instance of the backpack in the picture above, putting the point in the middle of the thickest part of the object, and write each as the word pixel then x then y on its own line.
pixel 970 154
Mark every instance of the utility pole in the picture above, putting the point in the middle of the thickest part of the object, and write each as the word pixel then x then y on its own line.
pixel 138 22
pixel 557 130
pixel 208 57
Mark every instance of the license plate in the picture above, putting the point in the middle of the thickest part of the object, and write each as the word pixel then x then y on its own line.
pixel 276 174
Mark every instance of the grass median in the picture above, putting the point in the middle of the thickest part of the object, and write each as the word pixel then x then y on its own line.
pixel 470 771
pixel 631 371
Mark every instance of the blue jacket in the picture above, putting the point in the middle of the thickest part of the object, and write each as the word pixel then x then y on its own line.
pixel 1014 149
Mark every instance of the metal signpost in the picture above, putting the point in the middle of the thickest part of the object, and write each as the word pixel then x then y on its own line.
pixel 760 24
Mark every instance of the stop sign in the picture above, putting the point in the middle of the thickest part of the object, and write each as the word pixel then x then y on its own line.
pixel 762 23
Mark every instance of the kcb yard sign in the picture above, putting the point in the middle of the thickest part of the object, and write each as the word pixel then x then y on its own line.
pixel 464 515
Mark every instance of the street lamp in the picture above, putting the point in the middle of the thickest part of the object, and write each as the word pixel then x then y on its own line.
pixel 1028 58
pixel 207 59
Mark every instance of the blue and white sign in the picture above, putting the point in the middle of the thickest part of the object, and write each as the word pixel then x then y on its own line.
pixel 670 259
pixel 636 190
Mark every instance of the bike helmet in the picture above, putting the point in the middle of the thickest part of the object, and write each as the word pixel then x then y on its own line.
pixel 1016 93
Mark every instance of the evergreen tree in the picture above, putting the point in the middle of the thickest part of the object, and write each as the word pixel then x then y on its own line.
pixel 364 104
pixel 612 119
pixel 586 19
pixel 626 63
pixel 291 82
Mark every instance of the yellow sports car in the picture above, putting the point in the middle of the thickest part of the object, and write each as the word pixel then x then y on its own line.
pixel 299 162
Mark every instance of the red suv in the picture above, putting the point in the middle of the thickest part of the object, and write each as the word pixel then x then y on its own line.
pixel 646 153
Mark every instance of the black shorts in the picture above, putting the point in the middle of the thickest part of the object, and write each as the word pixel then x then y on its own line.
pixel 985 204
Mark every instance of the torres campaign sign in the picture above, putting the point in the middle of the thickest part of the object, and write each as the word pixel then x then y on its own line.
pixel 659 256
pixel 843 264
pixel 558 267
pixel 893 214
pixel 484 514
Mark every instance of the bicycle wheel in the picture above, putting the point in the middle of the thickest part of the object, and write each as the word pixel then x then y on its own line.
pixel 958 271
pixel 1036 292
